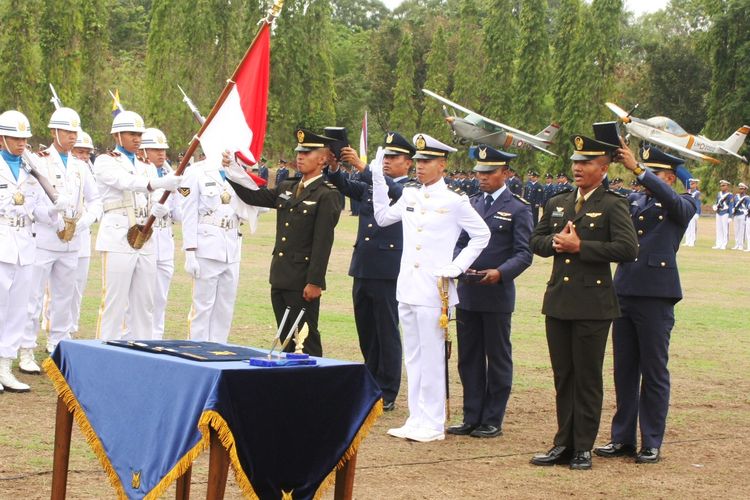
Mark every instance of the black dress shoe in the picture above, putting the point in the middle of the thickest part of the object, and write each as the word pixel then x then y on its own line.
pixel 615 450
pixel 461 430
pixel 389 405
pixel 648 456
pixel 486 431
pixel 557 455
pixel 581 460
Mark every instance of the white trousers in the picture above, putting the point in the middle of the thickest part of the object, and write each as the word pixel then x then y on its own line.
pixel 722 231
pixel 691 232
pixel 424 357
pixel 747 234
pixel 15 290
pixel 127 284
pixel 214 294
pixel 739 231
pixel 82 277
pixel 54 272
pixel 164 272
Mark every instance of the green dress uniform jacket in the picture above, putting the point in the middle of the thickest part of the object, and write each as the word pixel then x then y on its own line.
pixel 580 287
pixel 304 230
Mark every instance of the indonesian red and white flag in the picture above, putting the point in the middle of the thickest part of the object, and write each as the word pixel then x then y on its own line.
pixel 239 125
pixel 363 140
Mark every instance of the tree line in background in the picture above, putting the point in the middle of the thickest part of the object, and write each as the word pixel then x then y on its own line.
pixel 523 62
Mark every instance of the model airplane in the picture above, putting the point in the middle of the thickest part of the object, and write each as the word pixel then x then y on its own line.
pixel 665 132
pixel 475 128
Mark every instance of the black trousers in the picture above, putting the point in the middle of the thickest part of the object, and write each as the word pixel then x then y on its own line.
pixel 280 299
pixel 485 365
pixel 640 339
pixel 376 317
pixel 576 349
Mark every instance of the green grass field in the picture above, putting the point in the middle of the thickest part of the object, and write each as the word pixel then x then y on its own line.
pixel 704 450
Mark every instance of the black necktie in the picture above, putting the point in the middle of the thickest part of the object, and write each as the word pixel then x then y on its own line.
pixel 487 202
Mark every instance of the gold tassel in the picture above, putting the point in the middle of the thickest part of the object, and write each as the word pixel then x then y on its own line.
pixel 212 419
pixel 64 392
pixel 375 413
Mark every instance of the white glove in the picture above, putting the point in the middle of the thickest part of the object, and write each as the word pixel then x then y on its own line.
pixel 169 182
pixel 376 165
pixel 158 210
pixel 62 203
pixel 448 271
pixel 191 264
pixel 84 222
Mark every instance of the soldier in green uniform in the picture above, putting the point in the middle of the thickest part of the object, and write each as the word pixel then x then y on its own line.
pixel 584 229
pixel 308 210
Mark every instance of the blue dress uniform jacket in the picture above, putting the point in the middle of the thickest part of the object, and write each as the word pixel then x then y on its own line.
pixel 483 314
pixel 508 251
pixel 377 250
pixel 647 289
pixel 281 175
pixel 660 222
pixel 375 265
pixel 515 186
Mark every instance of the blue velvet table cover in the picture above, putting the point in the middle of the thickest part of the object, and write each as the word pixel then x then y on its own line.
pixel 147 417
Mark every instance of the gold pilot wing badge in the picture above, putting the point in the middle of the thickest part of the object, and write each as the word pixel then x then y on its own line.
pixel 593 215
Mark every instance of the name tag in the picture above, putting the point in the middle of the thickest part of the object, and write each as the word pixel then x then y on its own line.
pixel 285 196
pixel 409 209
pixel 558 215
pixel 500 217
pixel 58 176
pixel 208 184
pixel 3 186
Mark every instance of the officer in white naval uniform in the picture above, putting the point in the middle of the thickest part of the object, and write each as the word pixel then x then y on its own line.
pixel 154 144
pixel 212 243
pixel 57 247
pixel 21 202
pixel 433 217
pixel 82 150
pixel 125 184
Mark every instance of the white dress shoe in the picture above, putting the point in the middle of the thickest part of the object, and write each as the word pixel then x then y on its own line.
pixel 27 363
pixel 7 380
pixel 425 435
pixel 399 432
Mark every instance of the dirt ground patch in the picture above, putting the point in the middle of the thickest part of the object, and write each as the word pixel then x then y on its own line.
pixel 706 430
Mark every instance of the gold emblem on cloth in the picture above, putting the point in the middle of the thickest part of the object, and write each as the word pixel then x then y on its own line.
pixel 135 480
pixel 421 143
pixel 300 136
pixel 225 198
pixel 18 198
pixel 183 191
pixel 646 153
pixel 389 139
pixel 578 142
pixel 223 353
pixel 21 127
pixel 482 153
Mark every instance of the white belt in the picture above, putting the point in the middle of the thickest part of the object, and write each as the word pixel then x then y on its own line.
pixel 111 206
pixel 218 221
pixel 18 221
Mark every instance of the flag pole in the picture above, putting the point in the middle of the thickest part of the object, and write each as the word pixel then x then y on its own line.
pixel 264 23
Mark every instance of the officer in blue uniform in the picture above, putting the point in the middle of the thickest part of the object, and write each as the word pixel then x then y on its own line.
pixel 647 289
pixel 375 264
pixel 487 297
pixel 533 192
pixel 563 183
pixel 514 183
pixel 550 188
pixel 282 172
pixel 263 169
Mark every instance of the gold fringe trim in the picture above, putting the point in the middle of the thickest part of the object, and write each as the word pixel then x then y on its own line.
pixel 212 419
pixel 64 392
pixel 180 468
pixel 375 413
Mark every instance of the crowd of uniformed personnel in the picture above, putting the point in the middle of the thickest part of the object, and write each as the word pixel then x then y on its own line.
pixel 422 244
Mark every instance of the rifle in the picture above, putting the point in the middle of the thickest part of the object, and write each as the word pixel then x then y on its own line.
pixel 56 102
pixel 193 108
pixel 443 284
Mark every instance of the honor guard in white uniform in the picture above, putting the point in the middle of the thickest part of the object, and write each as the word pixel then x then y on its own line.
pixel 82 150
pixel 21 202
pixel 433 217
pixel 723 206
pixel 739 215
pixel 58 243
pixel 125 184
pixel 692 230
pixel 154 144
pixel 212 243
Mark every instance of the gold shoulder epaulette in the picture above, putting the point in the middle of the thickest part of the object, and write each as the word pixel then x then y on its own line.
pixel 330 185
pixel 457 190
pixel 43 153
pixel 521 199
pixel 616 193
